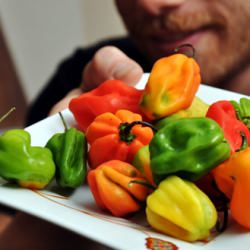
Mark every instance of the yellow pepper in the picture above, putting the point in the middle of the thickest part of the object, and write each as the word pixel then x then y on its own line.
pixel 171 86
pixel 180 209
pixel 198 108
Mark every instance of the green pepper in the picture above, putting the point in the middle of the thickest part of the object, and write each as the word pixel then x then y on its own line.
pixel 242 109
pixel 142 162
pixel 187 147
pixel 69 151
pixel 180 209
pixel 30 167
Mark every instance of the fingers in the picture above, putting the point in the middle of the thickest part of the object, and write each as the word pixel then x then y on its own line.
pixel 64 103
pixel 110 63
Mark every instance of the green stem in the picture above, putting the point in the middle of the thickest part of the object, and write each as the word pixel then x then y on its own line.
pixel 63 121
pixel 144 183
pixel 125 130
pixel 244 143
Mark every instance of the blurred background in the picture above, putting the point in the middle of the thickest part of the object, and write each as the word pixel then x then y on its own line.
pixel 35 35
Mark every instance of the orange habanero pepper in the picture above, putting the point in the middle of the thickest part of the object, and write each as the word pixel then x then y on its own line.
pixel 116 137
pixel 113 189
pixel 171 86
pixel 233 179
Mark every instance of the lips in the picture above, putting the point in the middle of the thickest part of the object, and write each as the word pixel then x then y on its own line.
pixel 172 37
pixel 166 43
pixel 166 32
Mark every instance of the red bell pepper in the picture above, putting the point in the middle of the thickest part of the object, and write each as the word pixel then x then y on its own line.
pixel 110 96
pixel 224 114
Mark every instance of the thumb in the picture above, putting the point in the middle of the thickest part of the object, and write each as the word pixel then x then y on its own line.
pixel 110 63
pixel 64 103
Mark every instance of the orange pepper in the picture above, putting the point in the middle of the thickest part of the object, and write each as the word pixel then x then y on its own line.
pixel 171 86
pixel 113 137
pixel 233 179
pixel 111 186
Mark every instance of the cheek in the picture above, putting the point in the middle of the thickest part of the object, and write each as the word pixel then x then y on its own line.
pixel 214 56
pixel 221 53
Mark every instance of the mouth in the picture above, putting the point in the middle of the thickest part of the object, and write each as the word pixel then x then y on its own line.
pixel 161 35
pixel 166 43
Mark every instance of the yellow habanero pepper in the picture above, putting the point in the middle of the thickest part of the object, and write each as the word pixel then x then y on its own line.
pixel 180 209
pixel 171 86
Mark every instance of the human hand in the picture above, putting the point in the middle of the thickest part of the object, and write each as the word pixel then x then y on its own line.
pixel 107 63
pixel 63 104
pixel 110 63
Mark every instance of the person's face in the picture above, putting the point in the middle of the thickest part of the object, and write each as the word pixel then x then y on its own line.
pixel 218 30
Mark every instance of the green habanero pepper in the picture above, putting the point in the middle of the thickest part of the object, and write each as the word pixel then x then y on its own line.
pixel 142 162
pixel 30 167
pixel 242 109
pixel 69 151
pixel 187 147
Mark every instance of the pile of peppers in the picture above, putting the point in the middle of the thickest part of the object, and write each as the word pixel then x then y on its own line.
pixel 147 150
pixel 34 167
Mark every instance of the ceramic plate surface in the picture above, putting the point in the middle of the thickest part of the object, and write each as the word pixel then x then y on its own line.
pixel 77 211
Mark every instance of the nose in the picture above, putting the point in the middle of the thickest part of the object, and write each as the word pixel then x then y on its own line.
pixel 155 6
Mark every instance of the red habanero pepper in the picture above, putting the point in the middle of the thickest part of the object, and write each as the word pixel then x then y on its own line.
pixel 116 137
pixel 224 114
pixel 113 185
pixel 109 96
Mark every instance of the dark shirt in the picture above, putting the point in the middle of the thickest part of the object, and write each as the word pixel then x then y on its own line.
pixel 69 75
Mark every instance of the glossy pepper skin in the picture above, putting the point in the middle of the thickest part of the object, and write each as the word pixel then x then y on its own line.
pixel 198 108
pixel 242 109
pixel 109 139
pixel 180 209
pixel 113 189
pixel 29 166
pixel 233 179
pixel 109 96
pixel 70 155
pixel 142 162
pixel 224 114
pixel 171 86
pixel 188 147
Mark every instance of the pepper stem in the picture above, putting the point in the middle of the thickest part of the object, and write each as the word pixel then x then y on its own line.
pixel 125 130
pixel 222 206
pixel 222 223
pixel 143 183
pixel 7 114
pixel 63 121
pixel 176 50
pixel 244 143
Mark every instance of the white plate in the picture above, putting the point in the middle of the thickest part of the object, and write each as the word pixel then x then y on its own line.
pixel 78 212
